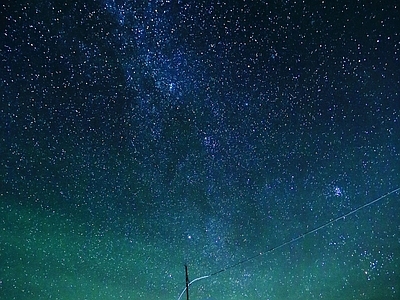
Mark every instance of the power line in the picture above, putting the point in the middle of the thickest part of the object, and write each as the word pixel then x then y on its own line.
pixel 288 241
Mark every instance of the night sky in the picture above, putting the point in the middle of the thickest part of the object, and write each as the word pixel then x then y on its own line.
pixel 140 136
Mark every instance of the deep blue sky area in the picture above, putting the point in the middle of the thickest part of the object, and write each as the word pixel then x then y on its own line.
pixel 139 136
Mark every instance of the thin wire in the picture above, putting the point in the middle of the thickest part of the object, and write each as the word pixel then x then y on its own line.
pixel 296 238
pixel 308 232
pixel 198 278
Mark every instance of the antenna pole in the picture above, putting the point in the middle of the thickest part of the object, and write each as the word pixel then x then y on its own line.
pixel 187 282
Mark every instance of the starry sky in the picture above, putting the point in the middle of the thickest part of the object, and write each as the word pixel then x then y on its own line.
pixel 140 136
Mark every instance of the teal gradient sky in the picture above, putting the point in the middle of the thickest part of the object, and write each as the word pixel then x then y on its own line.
pixel 140 136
